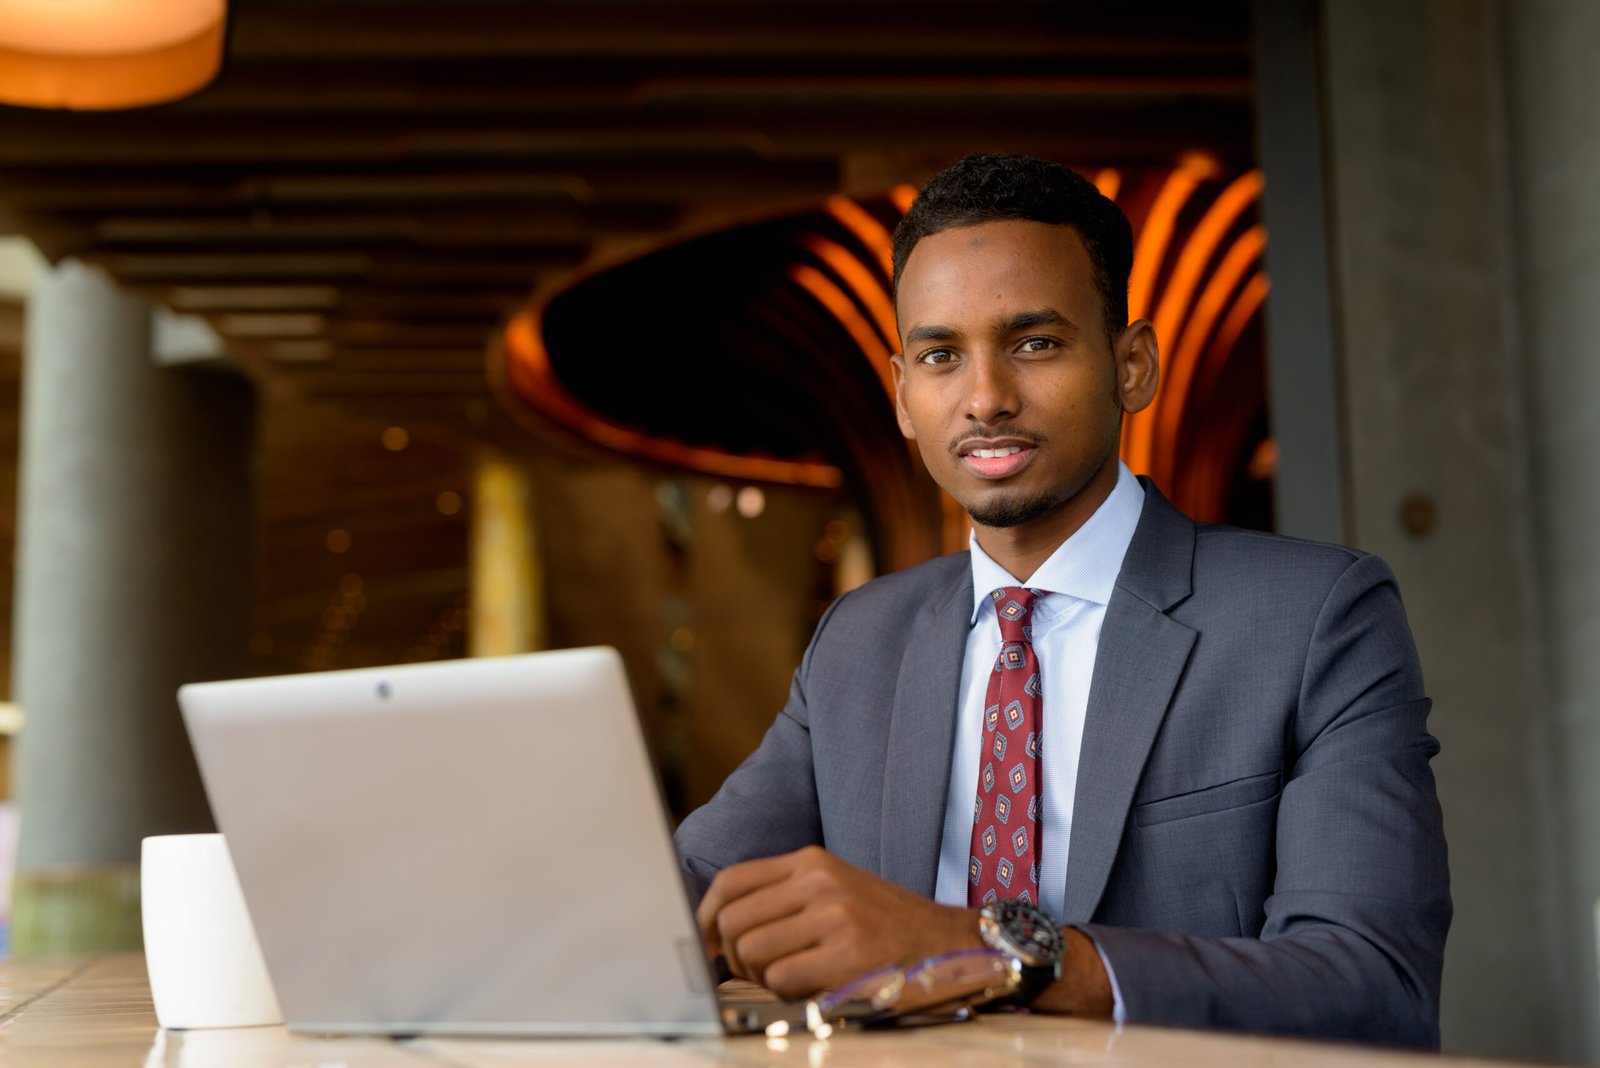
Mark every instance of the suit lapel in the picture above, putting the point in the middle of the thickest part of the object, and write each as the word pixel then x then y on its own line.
pixel 1141 656
pixel 916 776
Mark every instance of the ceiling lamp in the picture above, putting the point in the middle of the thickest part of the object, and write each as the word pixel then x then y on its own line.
pixel 101 54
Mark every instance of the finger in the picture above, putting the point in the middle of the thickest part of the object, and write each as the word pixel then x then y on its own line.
pixel 802 974
pixel 760 908
pixel 734 882
pixel 765 904
pixel 760 947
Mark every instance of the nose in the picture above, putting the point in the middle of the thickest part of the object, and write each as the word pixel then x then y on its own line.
pixel 992 396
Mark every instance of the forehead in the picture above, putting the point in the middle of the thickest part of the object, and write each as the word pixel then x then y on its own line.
pixel 986 269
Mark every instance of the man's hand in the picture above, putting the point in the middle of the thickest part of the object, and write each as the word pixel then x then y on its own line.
pixel 807 921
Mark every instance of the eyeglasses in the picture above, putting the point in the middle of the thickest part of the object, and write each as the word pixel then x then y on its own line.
pixel 941 989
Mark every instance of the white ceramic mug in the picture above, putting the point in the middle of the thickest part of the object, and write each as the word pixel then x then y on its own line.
pixel 244 1047
pixel 199 946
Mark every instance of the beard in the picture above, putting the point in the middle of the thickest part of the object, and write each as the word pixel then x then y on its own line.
pixel 1012 510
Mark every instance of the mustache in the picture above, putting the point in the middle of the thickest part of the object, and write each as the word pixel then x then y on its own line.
pixel 1002 430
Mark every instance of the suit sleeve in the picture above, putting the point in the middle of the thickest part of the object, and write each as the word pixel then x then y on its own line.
pixel 1355 925
pixel 768 806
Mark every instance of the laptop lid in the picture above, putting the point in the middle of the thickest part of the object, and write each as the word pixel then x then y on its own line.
pixel 474 846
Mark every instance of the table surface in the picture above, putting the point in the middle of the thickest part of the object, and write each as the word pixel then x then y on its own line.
pixel 96 1011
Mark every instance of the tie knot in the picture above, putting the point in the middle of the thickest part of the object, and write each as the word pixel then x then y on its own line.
pixel 1013 606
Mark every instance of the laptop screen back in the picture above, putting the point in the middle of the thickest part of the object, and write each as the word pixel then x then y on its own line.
pixel 474 846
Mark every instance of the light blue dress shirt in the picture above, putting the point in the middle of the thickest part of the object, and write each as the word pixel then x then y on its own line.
pixel 1076 581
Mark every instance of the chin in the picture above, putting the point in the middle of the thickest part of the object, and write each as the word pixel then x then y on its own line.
pixel 1010 510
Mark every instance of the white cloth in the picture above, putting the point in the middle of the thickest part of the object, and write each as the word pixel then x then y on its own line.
pixel 1076 582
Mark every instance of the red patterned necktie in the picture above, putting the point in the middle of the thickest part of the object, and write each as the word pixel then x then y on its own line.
pixel 1004 862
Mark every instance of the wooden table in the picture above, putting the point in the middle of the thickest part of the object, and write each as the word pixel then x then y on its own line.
pixel 96 1011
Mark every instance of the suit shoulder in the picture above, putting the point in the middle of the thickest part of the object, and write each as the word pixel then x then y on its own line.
pixel 1222 542
pixel 1225 554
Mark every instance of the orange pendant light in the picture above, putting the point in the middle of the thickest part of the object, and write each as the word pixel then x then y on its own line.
pixel 88 55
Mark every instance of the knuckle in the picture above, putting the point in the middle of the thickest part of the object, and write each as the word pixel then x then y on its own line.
pixel 827 871
pixel 834 914
pixel 814 858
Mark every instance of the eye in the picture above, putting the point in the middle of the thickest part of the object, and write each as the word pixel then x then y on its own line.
pixel 936 357
pixel 1037 344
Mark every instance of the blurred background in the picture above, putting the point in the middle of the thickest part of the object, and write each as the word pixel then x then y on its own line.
pixel 338 333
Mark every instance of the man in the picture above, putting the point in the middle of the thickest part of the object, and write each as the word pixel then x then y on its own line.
pixel 1202 751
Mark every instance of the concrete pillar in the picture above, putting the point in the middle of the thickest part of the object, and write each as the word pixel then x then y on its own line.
pixel 133 576
pixel 1303 368
pixel 507 613
pixel 1554 156
pixel 1438 467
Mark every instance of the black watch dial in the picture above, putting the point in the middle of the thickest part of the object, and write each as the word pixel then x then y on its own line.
pixel 1031 931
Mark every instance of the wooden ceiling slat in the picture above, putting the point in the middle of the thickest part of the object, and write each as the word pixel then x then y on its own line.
pixel 475 95
pixel 401 360
pixel 381 333
pixel 186 267
pixel 394 304
pixel 526 249
pixel 271 324
pixel 464 270
pixel 379 383
pixel 491 168
pixel 398 302
pixel 745 133
pixel 249 298
pixel 798 28
pixel 99 140
pixel 531 223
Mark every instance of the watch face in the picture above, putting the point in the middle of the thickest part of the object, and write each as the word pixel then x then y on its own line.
pixel 1034 935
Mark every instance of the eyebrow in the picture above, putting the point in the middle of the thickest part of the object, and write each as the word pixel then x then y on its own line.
pixel 1029 319
pixel 1011 324
pixel 930 333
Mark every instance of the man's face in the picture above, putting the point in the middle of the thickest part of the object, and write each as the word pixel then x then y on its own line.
pixel 1006 379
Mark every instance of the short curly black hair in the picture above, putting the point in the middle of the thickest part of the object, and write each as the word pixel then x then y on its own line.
pixel 992 186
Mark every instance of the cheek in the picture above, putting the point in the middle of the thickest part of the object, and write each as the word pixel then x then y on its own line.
pixel 927 410
pixel 918 425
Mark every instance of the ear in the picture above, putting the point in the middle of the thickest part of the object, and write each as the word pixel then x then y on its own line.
pixel 897 370
pixel 1138 361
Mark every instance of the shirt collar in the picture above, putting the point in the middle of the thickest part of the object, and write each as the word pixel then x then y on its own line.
pixel 1086 564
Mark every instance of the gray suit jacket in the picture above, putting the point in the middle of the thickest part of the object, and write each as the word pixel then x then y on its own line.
pixel 1256 840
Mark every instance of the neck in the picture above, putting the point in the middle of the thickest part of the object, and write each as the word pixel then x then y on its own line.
pixel 1022 549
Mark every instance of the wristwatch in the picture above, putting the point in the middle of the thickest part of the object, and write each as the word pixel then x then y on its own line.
pixel 1025 933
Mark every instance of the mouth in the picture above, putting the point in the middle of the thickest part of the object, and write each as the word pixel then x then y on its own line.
pixel 992 458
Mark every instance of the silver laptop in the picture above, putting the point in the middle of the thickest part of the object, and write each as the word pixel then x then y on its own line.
pixel 470 847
